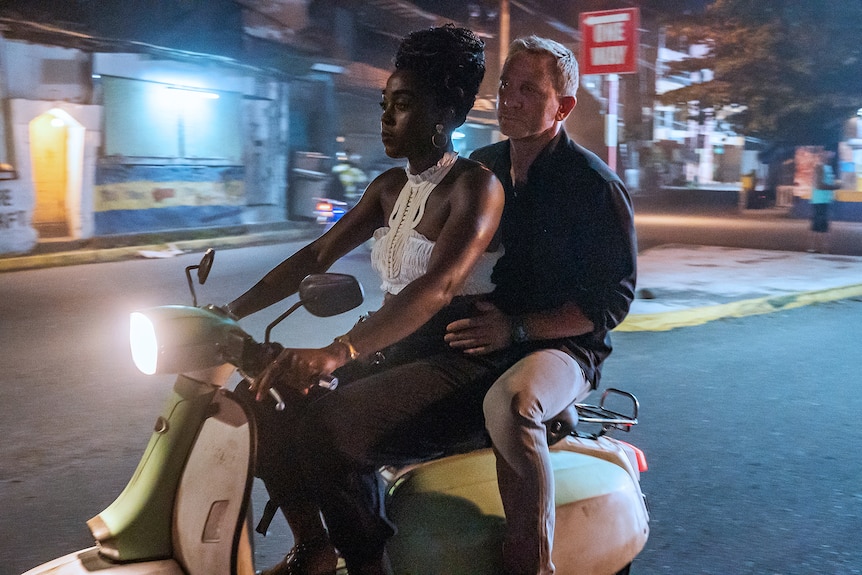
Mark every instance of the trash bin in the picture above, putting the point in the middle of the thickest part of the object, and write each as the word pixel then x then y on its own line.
pixel 310 178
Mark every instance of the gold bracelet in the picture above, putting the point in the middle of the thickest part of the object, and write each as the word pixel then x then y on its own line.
pixel 345 341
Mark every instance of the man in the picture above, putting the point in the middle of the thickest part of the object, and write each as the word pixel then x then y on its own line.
pixel 567 278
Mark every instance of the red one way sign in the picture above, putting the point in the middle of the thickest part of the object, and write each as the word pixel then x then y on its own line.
pixel 609 41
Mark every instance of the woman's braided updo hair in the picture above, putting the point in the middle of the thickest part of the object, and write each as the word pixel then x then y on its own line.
pixel 450 61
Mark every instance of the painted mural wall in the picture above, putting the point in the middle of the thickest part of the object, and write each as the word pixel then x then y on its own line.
pixel 130 198
pixel 172 158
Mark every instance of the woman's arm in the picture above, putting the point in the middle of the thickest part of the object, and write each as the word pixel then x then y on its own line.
pixel 355 227
pixel 475 205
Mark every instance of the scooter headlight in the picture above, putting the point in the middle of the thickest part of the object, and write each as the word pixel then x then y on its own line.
pixel 142 337
pixel 181 339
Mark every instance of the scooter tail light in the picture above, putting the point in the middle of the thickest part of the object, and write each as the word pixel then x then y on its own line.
pixel 639 456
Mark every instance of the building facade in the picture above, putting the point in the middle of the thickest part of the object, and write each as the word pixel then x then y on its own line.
pixel 110 138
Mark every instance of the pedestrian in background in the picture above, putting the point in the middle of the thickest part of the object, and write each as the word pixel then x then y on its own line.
pixel 822 196
pixel 353 180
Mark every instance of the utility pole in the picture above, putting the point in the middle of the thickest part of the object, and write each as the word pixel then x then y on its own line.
pixel 504 31
pixel 612 119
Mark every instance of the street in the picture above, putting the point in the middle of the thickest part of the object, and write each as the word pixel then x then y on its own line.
pixel 749 425
pixel 750 428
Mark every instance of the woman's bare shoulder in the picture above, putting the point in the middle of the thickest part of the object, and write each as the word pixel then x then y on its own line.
pixel 392 174
pixel 391 178
pixel 386 182
pixel 475 175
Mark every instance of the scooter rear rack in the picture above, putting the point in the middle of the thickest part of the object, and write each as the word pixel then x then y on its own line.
pixel 599 417
pixel 607 418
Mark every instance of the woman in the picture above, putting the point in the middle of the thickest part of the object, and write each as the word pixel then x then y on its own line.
pixel 435 224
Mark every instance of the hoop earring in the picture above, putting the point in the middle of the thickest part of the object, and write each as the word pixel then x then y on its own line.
pixel 436 138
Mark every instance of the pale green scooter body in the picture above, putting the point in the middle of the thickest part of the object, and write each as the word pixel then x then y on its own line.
pixel 191 515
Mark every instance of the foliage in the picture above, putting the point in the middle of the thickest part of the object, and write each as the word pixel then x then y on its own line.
pixel 794 65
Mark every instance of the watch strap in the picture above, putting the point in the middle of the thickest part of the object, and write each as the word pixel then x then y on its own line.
pixel 519 330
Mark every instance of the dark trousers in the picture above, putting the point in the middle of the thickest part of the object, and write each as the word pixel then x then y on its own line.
pixel 416 404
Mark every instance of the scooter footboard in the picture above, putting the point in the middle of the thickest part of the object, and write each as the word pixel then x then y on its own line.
pixel 89 561
pixel 450 517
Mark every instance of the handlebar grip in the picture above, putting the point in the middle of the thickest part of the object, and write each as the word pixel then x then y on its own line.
pixel 328 382
pixel 279 402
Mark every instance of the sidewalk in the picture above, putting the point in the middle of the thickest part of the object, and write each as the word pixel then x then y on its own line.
pixel 678 285
pixel 684 285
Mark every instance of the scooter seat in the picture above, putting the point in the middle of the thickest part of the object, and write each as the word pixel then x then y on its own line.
pixel 557 427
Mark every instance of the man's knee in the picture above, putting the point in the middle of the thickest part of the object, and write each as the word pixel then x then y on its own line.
pixel 507 407
pixel 527 393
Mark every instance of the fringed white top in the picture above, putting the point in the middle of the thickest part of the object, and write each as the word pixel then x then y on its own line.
pixel 401 254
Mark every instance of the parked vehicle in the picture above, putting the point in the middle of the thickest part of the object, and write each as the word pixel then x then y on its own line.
pixel 187 508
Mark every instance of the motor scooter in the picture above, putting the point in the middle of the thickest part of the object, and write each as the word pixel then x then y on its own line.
pixel 187 508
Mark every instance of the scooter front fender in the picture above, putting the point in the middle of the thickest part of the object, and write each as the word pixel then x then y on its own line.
pixel 137 526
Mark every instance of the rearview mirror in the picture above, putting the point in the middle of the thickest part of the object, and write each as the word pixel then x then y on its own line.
pixel 325 295
pixel 205 266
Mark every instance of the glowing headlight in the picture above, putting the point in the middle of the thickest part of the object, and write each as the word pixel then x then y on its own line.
pixel 145 348
pixel 182 339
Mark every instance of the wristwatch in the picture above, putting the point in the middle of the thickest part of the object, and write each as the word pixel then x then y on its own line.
pixel 519 330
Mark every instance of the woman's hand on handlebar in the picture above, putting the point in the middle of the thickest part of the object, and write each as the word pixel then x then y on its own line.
pixel 300 369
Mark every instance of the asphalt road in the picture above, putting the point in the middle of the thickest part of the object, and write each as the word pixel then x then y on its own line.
pixel 749 425
pixel 751 430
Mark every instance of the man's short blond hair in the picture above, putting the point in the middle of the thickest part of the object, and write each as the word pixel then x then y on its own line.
pixel 565 69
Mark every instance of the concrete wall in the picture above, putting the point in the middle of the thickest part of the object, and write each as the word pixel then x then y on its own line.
pixel 36 72
pixel 84 122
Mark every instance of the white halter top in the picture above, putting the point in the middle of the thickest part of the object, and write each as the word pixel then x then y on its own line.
pixel 401 254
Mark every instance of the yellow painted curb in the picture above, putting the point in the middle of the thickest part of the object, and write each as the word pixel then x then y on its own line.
pixel 103 255
pixel 697 316
pixel 59 259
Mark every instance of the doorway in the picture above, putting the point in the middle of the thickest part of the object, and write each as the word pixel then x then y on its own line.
pixel 50 153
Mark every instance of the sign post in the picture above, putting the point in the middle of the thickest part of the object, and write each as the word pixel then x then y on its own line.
pixel 609 45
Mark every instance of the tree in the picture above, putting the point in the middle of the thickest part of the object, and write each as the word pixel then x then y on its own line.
pixel 793 66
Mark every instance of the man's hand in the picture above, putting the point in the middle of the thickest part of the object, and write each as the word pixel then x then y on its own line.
pixel 488 331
